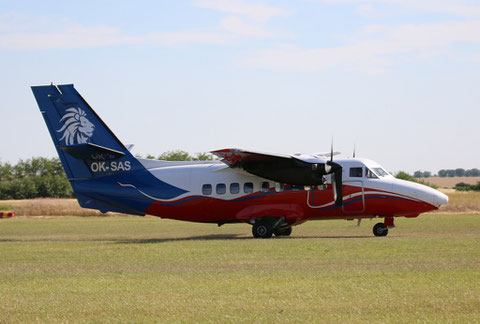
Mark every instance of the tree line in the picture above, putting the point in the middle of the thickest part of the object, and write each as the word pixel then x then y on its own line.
pixel 462 186
pixel 32 178
pixel 179 155
pixel 445 173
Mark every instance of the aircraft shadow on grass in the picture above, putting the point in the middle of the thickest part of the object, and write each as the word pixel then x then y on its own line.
pixel 210 237
pixel 224 237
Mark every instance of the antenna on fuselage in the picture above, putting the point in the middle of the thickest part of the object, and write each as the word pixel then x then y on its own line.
pixel 354 147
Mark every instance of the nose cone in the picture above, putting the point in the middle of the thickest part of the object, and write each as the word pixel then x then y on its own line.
pixel 427 194
pixel 439 198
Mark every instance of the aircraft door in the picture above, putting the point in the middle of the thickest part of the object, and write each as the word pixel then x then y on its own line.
pixel 353 197
pixel 319 196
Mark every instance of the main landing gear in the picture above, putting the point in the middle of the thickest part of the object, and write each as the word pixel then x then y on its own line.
pixel 381 229
pixel 283 231
pixel 265 227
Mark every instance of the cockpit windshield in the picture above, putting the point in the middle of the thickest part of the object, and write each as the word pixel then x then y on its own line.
pixel 373 172
pixel 380 172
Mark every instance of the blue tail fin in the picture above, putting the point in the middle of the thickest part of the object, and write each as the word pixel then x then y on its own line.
pixel 81 138
pixel 104 175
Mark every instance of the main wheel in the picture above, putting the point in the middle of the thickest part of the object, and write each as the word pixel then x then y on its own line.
pixel 286 231
pixel 380 229
pixel 262 229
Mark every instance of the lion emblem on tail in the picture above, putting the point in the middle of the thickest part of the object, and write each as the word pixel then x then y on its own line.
pixel 76 127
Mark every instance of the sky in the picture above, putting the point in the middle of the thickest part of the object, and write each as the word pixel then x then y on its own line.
pixel 397 79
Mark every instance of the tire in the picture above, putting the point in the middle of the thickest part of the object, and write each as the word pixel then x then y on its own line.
pixel 286 231
pixel 380 229
pixel 262 229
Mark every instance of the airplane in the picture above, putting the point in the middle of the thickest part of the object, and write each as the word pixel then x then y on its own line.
pixel 270 191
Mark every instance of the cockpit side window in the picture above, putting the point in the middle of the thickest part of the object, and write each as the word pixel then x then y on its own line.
pixel 356 172
pixel 369 173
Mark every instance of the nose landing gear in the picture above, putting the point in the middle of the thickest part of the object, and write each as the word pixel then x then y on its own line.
pixel 381 229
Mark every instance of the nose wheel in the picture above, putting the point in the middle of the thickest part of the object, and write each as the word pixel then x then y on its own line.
pixel 380 229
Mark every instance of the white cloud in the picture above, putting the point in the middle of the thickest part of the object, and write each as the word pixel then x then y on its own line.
pixel 254 11
pixel 247 19
pixel 237 26
pixel 81 37
pixel 67 38
pixel 453 7
pixel 367 10
pixel 183 37
pixel 373 48
pixel 19 32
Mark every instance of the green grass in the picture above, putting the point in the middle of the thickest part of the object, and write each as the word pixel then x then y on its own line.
pixel 133 269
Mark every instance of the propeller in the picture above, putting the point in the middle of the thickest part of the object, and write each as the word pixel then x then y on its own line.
pixel 335 170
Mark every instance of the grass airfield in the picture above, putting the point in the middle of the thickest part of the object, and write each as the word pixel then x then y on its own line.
pixel 134 269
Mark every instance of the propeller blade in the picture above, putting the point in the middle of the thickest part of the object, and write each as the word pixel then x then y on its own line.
pixel 331 151
pixel 337 183
pixel 334 187
pixel 330 166
pixel 335 170
pixel 338 194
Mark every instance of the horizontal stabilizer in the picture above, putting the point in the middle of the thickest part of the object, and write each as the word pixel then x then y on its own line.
pixel 90 151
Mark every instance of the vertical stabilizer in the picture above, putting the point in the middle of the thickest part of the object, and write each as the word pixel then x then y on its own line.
pixel 103 173
pixel 79 134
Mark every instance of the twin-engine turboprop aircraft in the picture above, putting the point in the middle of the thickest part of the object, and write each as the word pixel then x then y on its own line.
pixel 272 192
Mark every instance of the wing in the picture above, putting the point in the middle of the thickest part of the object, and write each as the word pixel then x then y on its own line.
pixel 236 157
pixel 296 169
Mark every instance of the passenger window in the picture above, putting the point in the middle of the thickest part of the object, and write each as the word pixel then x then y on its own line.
pixel 356 172
pixel 234 188
pixel 369 173
pixel 279 187
pixel 248 187
pixel 265 186
pixel 221 189
pixel 207 189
